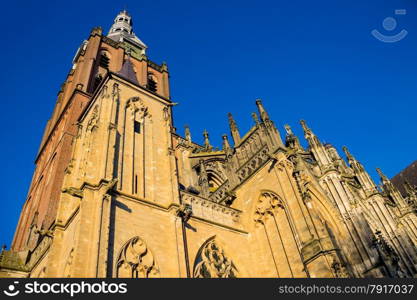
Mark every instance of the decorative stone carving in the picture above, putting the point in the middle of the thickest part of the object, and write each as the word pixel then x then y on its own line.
pixel 253 164
pixel 138 107
pixel 73 192
pixel 165 113
pixel 116 91
pixel 104 92
pixel 204 208
pixel 136 260
pixel 339 269
pixel 70 166
pixel 221 193
pixel 185 212
pixel 212 262
pixel 92 123
pixel 266 204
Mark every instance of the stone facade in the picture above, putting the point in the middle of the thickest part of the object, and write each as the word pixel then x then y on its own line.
pixel 118 193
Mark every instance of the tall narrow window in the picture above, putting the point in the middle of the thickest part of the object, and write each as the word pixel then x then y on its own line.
pixel 136 127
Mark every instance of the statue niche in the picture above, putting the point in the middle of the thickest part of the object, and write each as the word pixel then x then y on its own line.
pixel 136 261
pixel 211 262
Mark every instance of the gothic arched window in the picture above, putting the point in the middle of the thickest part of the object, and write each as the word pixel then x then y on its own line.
pixel 212 262
pixel 279 235
pixel 136 260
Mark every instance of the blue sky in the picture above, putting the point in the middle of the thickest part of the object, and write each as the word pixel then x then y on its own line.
pixel 312 60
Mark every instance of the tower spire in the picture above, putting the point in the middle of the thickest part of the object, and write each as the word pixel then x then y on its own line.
pixel 353 162
pixel 363 176
pixel 316 146
pixel 309 135
pixel 233 129
pixel 390 189
pixel 306 129
pixel 122 30
pixel 226 145
pixel 383 177
pixel 348 155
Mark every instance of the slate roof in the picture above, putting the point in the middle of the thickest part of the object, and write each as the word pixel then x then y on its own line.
pixel 409 174
pixel 128 72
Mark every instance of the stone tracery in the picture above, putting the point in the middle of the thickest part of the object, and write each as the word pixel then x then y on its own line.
pixel 266 204
pixel 212 262
pixel 136 260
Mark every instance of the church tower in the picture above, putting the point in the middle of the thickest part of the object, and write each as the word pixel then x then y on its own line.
pixel 110 129
pixel 117 192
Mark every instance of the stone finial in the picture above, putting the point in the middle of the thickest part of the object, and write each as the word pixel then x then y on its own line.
pixel 382 175
pixel 233 129
pixel 96 30
pixel 262 111
pixel 348 155
pixel 391 189
pixel 305 127
pixel 164 66
pixel 187 133
pixel 232 122
pixel 206 139
pixel 255 118
pixel 203 179
pixel 226 145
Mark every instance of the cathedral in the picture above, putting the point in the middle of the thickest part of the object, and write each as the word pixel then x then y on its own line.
pixel 117 192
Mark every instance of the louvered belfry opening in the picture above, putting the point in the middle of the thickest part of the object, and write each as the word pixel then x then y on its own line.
pixel 104 61
pixel 152 85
